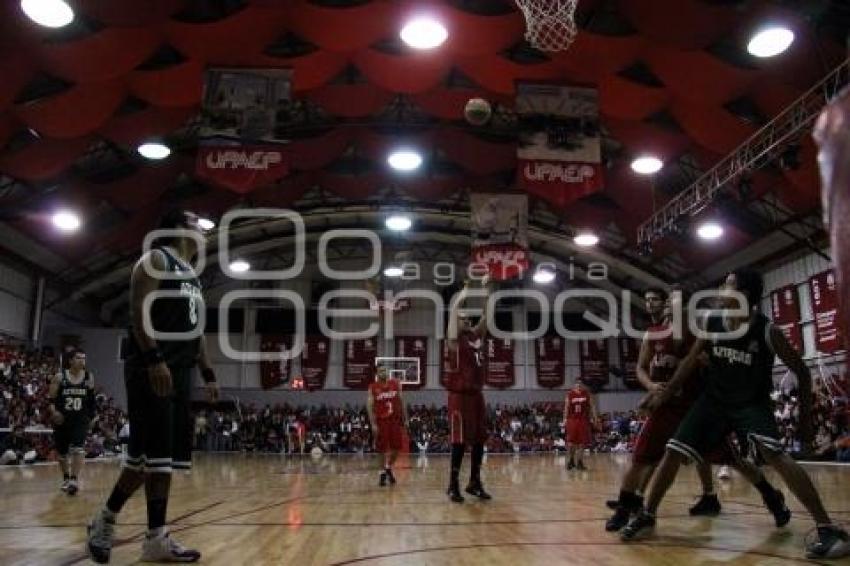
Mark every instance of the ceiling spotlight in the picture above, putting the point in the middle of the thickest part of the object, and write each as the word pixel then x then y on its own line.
pixel 404 160
pixel 48 13
pixel 154 150
pixel 66 221
pixel 239 266
pixel 586 239
pixel 769 42
pixel 647 165
pixel 393 272
pixel 205 224
pixel 710 230
pixel 398 223
pixel 424 33
pixel 544 276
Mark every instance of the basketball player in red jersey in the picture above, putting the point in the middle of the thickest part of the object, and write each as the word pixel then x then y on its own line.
pixel 833 137
pixel 580 412
pixel 467 412
pixel 659 357
pixel 388 417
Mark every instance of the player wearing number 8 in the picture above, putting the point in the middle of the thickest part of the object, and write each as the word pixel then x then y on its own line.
pixel 388 418
pixel 165 301
pixel 72 409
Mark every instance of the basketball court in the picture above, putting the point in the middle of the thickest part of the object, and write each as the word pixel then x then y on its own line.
pixel 495 203
pixel 268 509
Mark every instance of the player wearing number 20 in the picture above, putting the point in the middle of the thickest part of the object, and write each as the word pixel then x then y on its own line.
pixel 72 409
pixel 388 417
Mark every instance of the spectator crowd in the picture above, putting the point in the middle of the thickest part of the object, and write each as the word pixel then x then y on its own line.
pixel 24 417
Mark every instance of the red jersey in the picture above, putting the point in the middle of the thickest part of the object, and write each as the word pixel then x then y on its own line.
pixel 578 404
pixel 386 399
pixel 665 355
pixel 468 375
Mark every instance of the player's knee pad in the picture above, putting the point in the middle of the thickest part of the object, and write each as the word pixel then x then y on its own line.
pixel 683 452
pixel 764 446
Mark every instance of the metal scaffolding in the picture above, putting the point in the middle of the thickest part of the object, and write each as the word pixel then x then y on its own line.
pixel 758 150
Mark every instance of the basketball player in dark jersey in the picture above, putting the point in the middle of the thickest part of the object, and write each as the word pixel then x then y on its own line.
pixel 72 409
pixel 739 381
pixel 467 411
pixel 659 357
pixel 158 380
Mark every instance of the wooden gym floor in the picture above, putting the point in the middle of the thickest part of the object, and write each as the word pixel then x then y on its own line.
pixel 239 509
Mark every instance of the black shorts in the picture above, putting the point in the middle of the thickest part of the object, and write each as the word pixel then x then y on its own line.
pixel 160 427
pixel 709 422
pixel 70 437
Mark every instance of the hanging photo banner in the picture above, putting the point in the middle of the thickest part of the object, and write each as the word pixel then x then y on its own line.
pixel 359 363
pixel 785 308
pixel 593 357
pixel 500 233
pixel 629 352
pixel 549 355
pixel 448 363
pixel 414 347
pixel 314 362
pixel 275 373
pixel 825 310
pixel 499 358
pixel 240 141
pixel 559 151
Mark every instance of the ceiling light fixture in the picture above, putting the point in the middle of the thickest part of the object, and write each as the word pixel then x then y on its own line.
pixel 398 223
pixel 154 150
pixel 770 41
pixel 647 165
pixel 586 239
pixel 710 230
pixel 424 33
pixel 404 160
pixel 66 221
pixel 48 13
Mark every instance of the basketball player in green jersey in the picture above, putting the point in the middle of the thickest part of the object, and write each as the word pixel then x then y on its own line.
pixel 158 379
pixel 72 409
pixel 739 381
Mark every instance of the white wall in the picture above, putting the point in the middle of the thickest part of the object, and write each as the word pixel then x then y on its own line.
pixel 16 294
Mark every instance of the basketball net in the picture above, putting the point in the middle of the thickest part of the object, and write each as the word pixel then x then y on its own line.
pixel 549 24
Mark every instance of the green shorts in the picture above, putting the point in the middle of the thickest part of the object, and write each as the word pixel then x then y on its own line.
pixel 709 422
pixel 70 437
pixel 160 427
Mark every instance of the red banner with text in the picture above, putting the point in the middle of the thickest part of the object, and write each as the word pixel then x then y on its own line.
pixel 593 359
pixel 414 347
pixel 549 356
pixel 359 368
pixel 824 294
pixel 314 362
pixel 274 373
pixel 499 360
pixel 240 168
pixel 785 308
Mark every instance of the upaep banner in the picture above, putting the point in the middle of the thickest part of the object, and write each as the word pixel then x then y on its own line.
pixel 314 361
pixel 785 310
pixel 629 352
pixel 359 368
pixel 240 168
pixel 824 296
pixel 414 347
pixel 500 233
pixel 549 356
pixel 499 362
pixel 593 359
pixel 275 373
pixel 559 151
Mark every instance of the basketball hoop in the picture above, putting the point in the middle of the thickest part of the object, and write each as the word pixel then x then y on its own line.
pixel 550 25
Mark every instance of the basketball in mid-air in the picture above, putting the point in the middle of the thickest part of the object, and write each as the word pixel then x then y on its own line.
pixel 477 111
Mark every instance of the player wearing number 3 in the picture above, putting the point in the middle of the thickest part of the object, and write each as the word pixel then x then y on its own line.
pixel 388 417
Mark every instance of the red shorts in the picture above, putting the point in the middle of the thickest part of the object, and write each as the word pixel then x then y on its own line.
pixel 467 418
pixel 578 432
pixel 656 431
pixel 390 436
